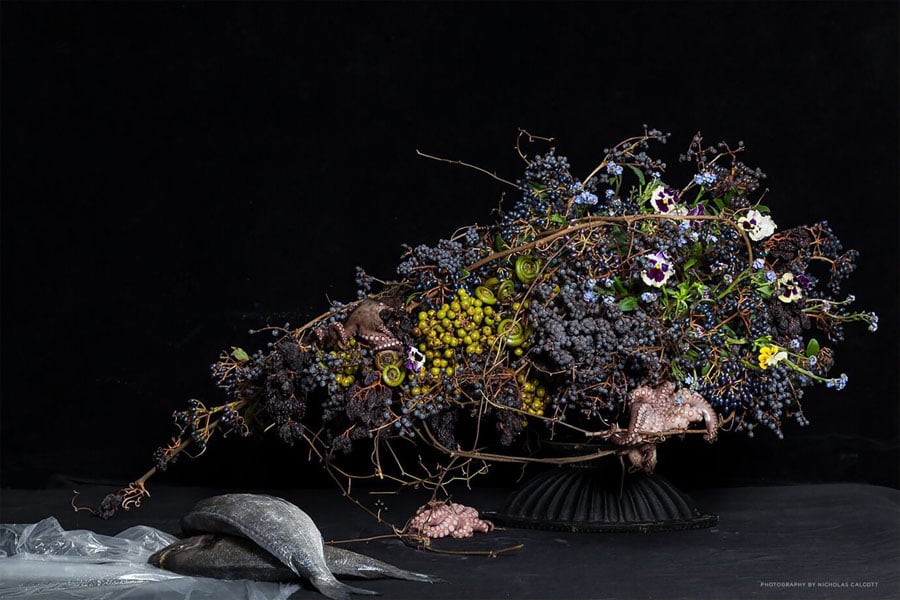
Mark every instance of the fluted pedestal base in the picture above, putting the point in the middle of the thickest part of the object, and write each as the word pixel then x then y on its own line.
pixel 600 499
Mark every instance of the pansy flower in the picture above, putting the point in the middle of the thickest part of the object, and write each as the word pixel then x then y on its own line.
pixel 697 210
pixel 664 200
pixel 757 225
pixel 659 272
pixel 770 355
pixel 415 360
pixel 804 282
pixel 790 288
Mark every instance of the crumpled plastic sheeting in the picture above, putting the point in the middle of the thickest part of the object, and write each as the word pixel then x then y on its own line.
pixel 44 561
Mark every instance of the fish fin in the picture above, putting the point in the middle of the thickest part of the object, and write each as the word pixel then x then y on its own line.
pixel 334 589
pixel 395 573
pixel 341 561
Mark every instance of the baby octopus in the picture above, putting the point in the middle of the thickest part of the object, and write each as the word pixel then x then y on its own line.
pixel 439 519
pixel 657 410
pixel 365 323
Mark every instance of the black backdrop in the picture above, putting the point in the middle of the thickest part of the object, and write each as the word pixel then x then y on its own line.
pixel 176 174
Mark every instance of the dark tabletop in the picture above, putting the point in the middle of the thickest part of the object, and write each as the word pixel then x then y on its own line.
pixel 803 541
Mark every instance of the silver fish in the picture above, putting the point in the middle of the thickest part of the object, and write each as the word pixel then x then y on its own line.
pixel 276 526
pixel 229 557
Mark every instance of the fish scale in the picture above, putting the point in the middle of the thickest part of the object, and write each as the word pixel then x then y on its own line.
pixel 275 525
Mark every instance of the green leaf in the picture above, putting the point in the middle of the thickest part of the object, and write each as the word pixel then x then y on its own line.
pixel 539 189
pixel 239 354
pixel 720 204
pixel 639 173
pixel 499 244
pixel 762 208
pixel 628 304
pixel 556 218
pixel 812 348
pixel 706 368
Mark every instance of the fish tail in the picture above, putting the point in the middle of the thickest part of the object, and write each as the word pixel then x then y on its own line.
pixel 388 570
pixel 334 589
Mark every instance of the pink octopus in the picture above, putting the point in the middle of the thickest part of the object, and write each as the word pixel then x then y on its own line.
pixel 658 410
pixel 439 519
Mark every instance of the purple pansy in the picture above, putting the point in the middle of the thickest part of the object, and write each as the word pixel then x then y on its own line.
pixel 805 282
pixel 757 225
pixel 659 271
pixel 415 360
pixel 664 200
pixel 789 288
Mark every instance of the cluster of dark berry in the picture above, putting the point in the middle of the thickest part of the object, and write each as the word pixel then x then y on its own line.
pixel 581 292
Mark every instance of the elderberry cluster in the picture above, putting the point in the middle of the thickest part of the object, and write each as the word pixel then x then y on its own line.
pixel 549 319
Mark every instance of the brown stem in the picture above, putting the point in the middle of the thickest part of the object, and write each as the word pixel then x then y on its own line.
pixel 603 221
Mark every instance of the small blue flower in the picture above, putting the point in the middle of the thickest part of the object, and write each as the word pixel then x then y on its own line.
pixel 842 382
pixel 655 175
pixel 590 283
pixel 813 360
pixel 759 264
pixel 613 169
pixel 838 383
pixel 794 344
pixel 771 276
pixel 704 178
pixel 609 299
pixel 648 297
pixel 610 193
pixel 873 322
pixel 684 226
pixel 586 198
pixel 607 282
pixel 688 379
pixel 590 296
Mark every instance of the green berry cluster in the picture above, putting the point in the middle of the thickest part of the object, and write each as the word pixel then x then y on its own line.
pixel 468 325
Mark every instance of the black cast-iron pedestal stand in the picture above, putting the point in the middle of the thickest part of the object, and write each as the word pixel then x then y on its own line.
pixel 599 496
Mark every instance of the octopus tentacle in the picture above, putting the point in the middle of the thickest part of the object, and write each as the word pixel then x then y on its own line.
pixel 440 519
pixel 661 409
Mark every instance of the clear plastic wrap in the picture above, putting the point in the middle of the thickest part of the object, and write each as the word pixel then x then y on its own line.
pixel 43 561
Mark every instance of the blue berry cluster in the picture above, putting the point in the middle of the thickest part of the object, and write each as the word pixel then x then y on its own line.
pixel 583 290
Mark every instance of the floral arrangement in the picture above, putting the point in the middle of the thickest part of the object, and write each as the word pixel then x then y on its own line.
pixel 586 299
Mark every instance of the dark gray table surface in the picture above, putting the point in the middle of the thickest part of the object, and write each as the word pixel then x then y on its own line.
pixel 802 541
